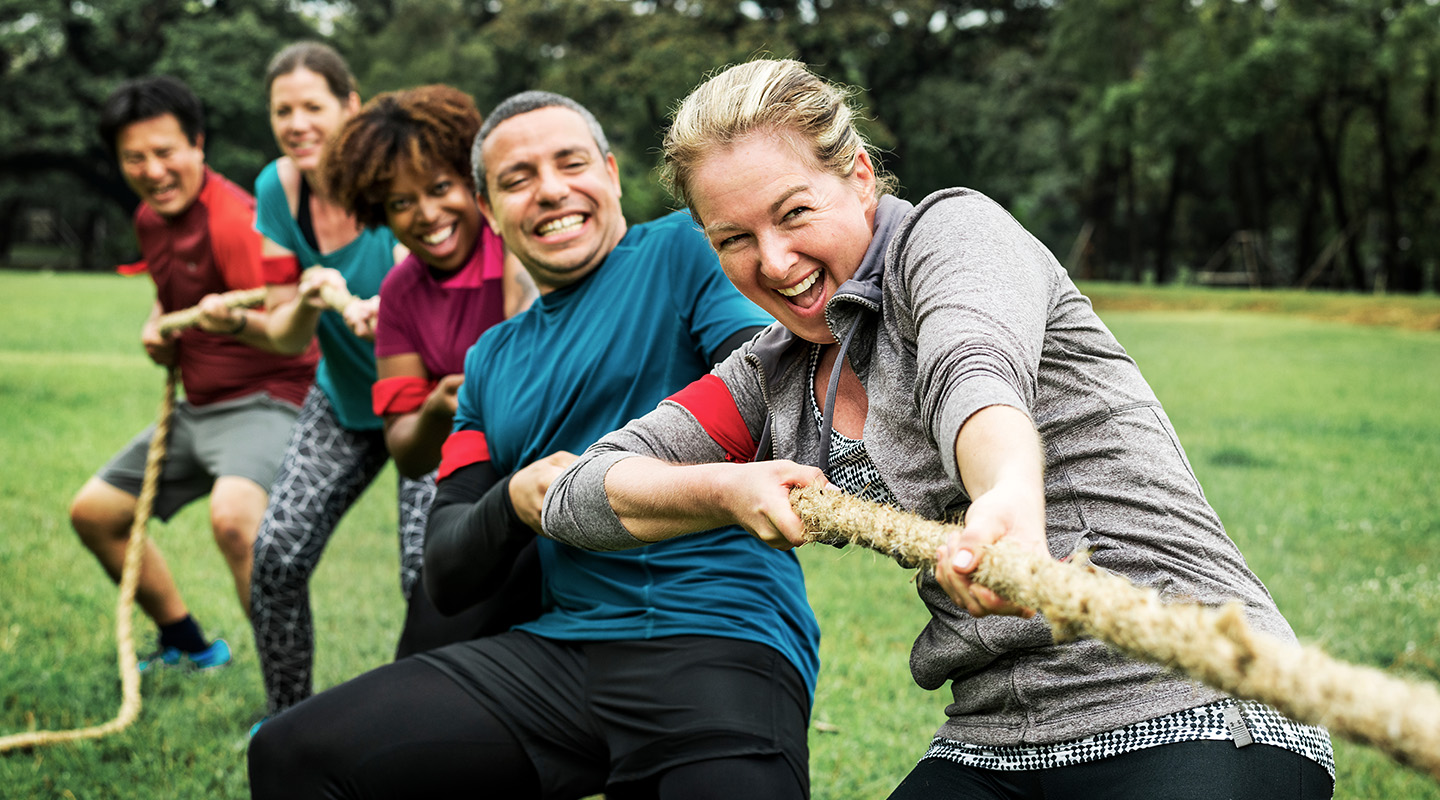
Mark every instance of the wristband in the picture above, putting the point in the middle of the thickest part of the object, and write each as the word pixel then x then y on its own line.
pixel 280 269
pixel 401 394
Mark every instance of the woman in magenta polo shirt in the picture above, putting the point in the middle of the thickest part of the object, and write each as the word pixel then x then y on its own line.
pixel 404 161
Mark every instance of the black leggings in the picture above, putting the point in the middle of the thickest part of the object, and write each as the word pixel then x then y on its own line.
pixel 439 742
pixel 1182 771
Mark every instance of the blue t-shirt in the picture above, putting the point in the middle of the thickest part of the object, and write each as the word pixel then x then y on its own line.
pixel 585 360
pixel 347 366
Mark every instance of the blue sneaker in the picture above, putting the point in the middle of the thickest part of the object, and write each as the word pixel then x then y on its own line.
pixel 216 655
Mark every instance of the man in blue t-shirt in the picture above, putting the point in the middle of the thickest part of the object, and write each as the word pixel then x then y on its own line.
pixel 684 669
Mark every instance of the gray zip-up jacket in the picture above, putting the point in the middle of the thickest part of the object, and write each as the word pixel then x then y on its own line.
pixel 954 308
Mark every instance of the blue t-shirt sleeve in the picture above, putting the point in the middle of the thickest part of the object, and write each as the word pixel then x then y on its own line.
pixel 272 210
pixel 467 406
pixel 710 304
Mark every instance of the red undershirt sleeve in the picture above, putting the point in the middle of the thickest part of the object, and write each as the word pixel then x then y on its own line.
pixel 710 402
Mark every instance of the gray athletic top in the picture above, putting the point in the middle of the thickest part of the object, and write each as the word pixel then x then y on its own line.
pixel 955 307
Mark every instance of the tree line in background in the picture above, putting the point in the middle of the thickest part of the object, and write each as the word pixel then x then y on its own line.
pixel 1253 142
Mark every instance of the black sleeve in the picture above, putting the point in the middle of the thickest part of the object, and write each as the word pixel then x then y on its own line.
pixel 471 537
pixel 733 343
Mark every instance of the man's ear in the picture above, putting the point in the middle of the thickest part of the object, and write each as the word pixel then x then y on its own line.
pixel 614 170
pixel 487 212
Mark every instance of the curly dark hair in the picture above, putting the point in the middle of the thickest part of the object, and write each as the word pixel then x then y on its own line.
pixel 420 129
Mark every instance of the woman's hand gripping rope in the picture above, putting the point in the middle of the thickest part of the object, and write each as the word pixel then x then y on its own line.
pixel 325 288
pixel 1212 645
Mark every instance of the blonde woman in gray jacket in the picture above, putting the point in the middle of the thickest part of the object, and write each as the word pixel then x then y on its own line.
pixel 937 357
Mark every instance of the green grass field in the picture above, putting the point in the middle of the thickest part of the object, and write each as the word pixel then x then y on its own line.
pixel 1317 441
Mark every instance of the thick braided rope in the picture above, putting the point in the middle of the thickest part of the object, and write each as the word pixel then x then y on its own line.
pixel 1212 645
pixel 124 611
pixel 189 317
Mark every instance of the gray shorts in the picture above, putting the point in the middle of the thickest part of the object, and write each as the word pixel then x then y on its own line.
pixel 244 437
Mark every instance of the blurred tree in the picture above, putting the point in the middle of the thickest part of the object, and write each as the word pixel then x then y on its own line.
pixel 1283 143
pixel 62 59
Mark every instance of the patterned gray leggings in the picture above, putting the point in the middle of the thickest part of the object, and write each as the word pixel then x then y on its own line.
pixel 325 469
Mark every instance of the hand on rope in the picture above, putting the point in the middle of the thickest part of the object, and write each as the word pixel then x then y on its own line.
pixel 159 344
pixel 1212 645
pixel 444 400
pixel 1000 514
pixel 213 304
pixel 323 287
pixel 529 484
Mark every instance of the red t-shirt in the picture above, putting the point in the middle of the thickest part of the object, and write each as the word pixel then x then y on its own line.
pixel 210 247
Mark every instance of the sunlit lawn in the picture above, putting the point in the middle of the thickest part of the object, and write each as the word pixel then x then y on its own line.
pixel 1318 442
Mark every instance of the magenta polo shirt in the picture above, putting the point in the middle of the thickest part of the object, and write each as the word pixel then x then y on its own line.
pixel 440 317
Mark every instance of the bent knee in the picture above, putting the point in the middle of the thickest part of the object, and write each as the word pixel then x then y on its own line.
pixel 101 512
pixel 234 536
pixel 274 758
pixel 290 758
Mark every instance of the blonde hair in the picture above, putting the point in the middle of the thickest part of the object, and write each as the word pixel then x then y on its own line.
pixel 779 96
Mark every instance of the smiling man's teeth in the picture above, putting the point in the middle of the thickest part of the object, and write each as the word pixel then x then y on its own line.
pixel 561 224
pixel 438 236
pixel 801 286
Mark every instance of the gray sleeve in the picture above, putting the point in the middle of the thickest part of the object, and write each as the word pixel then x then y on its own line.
pixel 974 288
pixel 577 511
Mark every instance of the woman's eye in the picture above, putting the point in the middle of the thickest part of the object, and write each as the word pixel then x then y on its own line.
pixel 440 189
pixel 796 211
pixel 397 206
pixel 730 241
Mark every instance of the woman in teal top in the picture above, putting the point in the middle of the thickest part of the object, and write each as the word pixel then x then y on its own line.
pixel 337 446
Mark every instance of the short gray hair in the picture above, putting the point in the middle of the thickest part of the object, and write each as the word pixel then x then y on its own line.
pixel 524 102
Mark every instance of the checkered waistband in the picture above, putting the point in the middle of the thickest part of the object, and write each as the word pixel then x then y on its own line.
pixel 1203 723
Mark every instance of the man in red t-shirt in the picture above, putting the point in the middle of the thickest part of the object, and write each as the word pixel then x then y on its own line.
pixel 196 232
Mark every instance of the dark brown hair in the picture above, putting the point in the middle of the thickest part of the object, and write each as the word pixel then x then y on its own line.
pixel 320 59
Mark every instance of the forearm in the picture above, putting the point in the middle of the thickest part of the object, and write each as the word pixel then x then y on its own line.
pixel 150 328
pixel 289 326
pixel 1001 464
pixel 415 441
pixel 254 331
pixel 472 536
pixel 613 500
pixel 999 447
pixel 655 501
